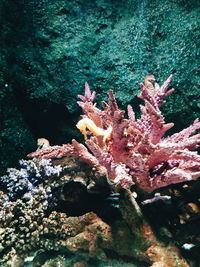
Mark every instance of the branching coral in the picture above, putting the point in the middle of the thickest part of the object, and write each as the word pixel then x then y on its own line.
pixel 136 150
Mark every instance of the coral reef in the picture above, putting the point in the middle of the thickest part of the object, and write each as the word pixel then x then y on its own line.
pixel 27 198
pixel 32 199
pixel 133 150
pixel 25 229
pixel 62 206
pixel 27 220
pixel 32 226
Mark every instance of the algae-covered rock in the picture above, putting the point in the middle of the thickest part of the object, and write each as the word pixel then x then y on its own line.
pixel 51 48
pixel 15 137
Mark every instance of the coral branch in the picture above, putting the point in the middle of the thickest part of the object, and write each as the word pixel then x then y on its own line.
pixel 134 150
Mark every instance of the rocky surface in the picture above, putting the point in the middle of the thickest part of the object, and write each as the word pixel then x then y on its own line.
pixel 50 48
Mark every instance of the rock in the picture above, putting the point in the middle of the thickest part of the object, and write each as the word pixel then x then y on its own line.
pixel 49 49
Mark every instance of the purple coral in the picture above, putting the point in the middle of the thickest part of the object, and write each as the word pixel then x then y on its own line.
pixel 137 151
pixel 25 182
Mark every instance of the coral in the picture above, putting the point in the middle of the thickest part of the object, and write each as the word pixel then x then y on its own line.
pixel 22 183
pixel 28 217
pixel 136 150
pixel 26 228
pixel 75 149
pixel 18 222
pixel 30 225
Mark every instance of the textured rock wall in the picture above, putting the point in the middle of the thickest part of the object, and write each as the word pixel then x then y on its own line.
pixel 50 48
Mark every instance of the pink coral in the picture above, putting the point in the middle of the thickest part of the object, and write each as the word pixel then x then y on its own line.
pixel 136 151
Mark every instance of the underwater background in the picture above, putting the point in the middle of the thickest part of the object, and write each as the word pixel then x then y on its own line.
pixel 48 50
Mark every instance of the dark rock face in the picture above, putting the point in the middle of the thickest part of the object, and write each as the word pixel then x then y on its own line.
pixel 50 48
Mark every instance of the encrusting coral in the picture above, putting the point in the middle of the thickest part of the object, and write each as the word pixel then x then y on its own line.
pixel 133 151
